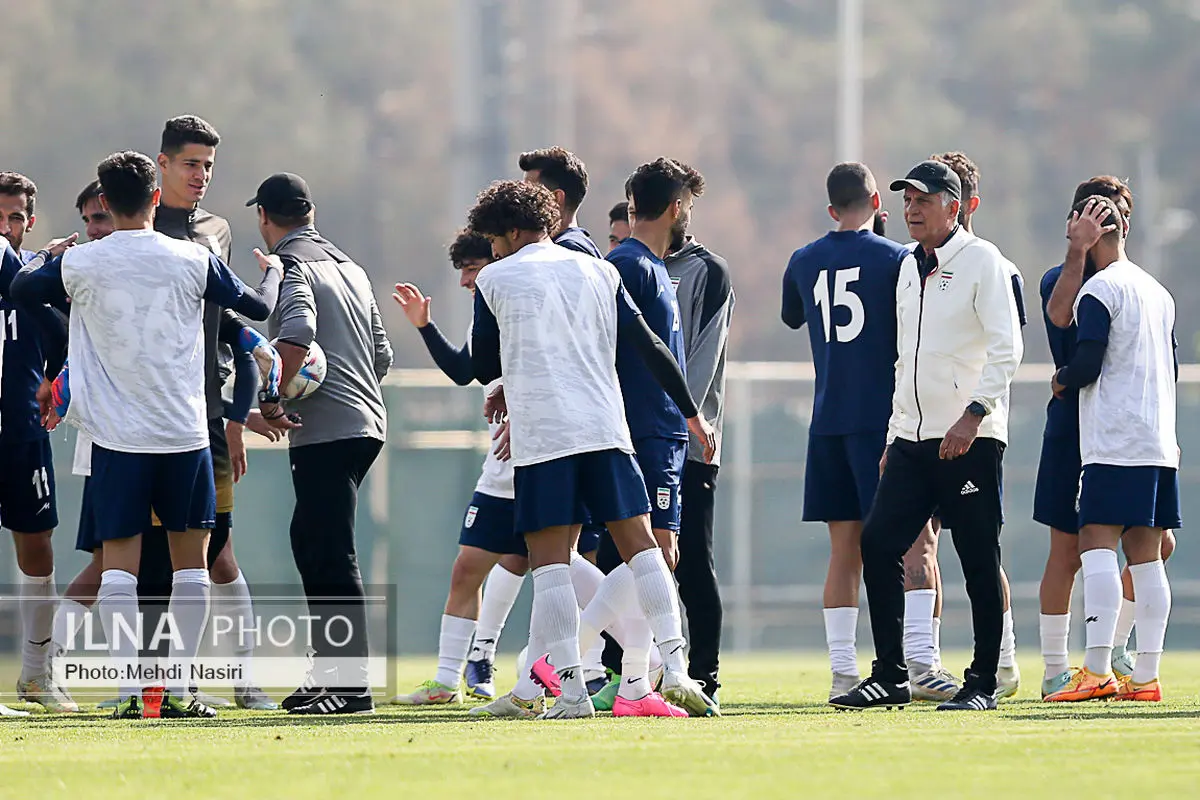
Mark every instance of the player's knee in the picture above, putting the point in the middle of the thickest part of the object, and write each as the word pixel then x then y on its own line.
pixel 1168 544
pixel 35 553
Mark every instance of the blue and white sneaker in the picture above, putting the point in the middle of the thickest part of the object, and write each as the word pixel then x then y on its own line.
pixel 1122 663
pixel 480 679
pixel 934 684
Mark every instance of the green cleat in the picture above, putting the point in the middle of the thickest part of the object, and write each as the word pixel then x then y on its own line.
pixel 174 708
pixel 129 708
pixel 253 698
pixel 603 700
pixel 430 693
pixel 1055 683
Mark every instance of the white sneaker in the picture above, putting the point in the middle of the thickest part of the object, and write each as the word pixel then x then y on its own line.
pixel 566 709
pixel 1008 681
pixel 843 684
pixel 5 711
pixel 507 706
pixel 211 700
pixel 934 684
pixel 689 695
pixel 42 689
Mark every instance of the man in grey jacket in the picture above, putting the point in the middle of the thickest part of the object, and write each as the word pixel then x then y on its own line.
pixel 705 296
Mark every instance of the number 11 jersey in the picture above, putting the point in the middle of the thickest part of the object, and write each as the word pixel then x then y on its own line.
pixel 843 286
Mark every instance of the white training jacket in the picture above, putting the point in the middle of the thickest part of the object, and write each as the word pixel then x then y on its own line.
pixel 958 339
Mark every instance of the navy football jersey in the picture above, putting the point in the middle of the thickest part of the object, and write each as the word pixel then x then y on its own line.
pixel 648 409
pixel 1062 415
pixel 23 364
pixel 579 240
pixel 844 287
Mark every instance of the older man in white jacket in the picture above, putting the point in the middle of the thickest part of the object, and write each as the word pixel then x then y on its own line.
pixel 959 345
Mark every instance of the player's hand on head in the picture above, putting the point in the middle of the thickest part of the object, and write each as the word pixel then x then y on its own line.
pixel 267 261
pixel 414 304
pixel 263 428
pixel 1086 228
pixel 503 442
pixel 495 408
pixel 700 428
pixel 56 247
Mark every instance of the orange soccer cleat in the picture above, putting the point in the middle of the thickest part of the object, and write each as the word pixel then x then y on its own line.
pixel 1149 692
pixel 1084 685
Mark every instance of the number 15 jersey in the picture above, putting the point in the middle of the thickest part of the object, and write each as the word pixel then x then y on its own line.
pixel 844 286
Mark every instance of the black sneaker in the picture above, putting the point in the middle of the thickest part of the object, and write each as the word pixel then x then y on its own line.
pixel 874 693
pixel 174 708
pixel 307 692
pixel 970 699
pixel 337 702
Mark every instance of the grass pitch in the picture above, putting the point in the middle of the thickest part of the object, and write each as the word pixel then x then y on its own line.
pixel 777 738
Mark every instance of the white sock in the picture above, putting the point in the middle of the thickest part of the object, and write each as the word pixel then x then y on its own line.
pixel 841 628
pixel 39 596
pixel 635 658
pixel 190 591
pixel 659 600
pixel 1054 630
pixel 1008 642
pixel 499 593
pixel 586 577
pixel 1153 593
pixel 68 620
pixel 1125 621
pixel 613 599
pixel 453 645
pixel 117 604
pixel 918 626
pixel 233 600
pixel 526 688
pixel 557 618
pixel 937 642
pixel 1101 604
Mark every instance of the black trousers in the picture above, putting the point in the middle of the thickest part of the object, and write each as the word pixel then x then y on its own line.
pixel 967 492
pixel 697 574
pixel 326 478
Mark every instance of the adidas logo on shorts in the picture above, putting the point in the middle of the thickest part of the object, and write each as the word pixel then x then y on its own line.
pixel 969 488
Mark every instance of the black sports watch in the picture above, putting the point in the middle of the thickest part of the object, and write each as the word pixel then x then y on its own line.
pixel 977 409
pixel 263 397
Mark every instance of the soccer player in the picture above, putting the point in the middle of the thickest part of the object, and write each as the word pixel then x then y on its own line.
pixel 959 344
pixel 28 499
pixel 705 298
pixel 139 396
pixel 618 224
pixel 187 155
pixel 327 298
pixel 844 287
pixel 549 320
pixel 1125 368
pixel 487 538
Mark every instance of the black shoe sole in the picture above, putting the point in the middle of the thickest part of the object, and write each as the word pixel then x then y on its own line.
pixel 887 706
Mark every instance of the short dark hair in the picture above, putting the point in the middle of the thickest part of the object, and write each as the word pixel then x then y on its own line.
pixel 289 223
pixel 90 192
pixel 850 185
pixel 469 246
pixel 128 181
pixel 654 186
pixel 509 205
pixel 964 168
pixel 1113 217
pixel 619 213
pixel 185 130
pixel 558 168
pixel 14 183
pixel 1105 186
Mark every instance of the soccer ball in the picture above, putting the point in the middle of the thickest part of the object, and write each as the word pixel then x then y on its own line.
pixel 307 379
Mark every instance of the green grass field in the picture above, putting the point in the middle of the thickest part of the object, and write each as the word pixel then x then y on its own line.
pixel 776 739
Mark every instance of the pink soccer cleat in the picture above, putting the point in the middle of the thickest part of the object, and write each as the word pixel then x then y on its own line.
pixel 543 675
pixel 652 705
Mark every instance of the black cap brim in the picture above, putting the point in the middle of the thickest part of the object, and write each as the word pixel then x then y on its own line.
pixel 904 183
pixel 253 201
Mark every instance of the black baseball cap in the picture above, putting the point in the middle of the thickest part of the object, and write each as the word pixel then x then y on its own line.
pixel 930 177
pixel 283 193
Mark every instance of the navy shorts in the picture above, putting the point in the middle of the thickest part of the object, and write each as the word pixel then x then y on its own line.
pixel 589 538
pixel 488 525
pixel 1129 496
pixel 1056 495
pixel 840 476
pixel 27 498
pixel 661 462
pixel 85 539
pixel 125 486
pixel 601 485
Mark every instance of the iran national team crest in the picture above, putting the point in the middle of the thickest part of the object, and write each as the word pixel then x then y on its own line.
pixel 472 512
pixel 944 281
pixel 663 498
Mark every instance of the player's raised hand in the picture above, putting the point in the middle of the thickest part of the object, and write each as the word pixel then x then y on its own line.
pixel 503 440
pixel 266 262
pixel 1085 229
pixel 414 304
pixel 56 247
pixel 495 407
pixel 700 428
